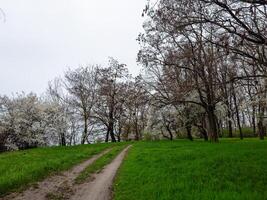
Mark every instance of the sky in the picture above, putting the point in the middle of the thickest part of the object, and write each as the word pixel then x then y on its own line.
pixel 40 39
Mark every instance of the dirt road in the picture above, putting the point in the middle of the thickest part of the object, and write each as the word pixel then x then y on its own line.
pixel 62 186
pixel 100 187
pixel 53 183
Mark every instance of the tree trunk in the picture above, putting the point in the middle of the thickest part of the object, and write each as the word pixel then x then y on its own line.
pixel 260 123
pixel 119 138
pixel 119 133
pixel 112 135
pixel 126 133
pixel 204 129
pixel 166 136
pixel 137 135
pixel 107 135
pixel 85 132
pixel 254 120
pixel 62 139
pixel 229 115
pixel 237 114
pixel 111 123
pixel 261 130
pixel 230 127
pixel 171 135
pixel 212 122
pixel 220 128
pixel 188 131
pixel 169 131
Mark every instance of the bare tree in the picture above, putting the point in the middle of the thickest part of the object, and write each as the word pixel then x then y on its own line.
pixel 110 81
pixel 81 84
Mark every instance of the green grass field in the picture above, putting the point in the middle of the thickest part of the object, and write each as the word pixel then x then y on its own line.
pixel 164 170
pixel 161 170
pixel 21 168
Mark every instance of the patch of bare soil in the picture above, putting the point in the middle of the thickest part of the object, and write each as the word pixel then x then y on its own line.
pixel 100 185
pixel 54 187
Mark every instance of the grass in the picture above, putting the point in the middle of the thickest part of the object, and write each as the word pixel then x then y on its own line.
pixel 163 170
pixel 232 169
pixel 247 132
pixel 21 168
pixel 99 163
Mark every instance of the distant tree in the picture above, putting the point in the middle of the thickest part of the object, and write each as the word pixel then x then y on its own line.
pixel 137 105
pixel 81 85
pixel 21 122
pixel 111 87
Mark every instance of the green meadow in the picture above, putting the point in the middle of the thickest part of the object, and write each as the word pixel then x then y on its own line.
pixel 159 170
pixel 232 169
pixel 19 169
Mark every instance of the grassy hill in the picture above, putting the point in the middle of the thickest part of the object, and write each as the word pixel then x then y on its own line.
pixel 21 168
pixel 232 169
pixel 181 169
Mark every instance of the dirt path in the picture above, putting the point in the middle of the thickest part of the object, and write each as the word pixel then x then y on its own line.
pixel 53 184
pixel 100 187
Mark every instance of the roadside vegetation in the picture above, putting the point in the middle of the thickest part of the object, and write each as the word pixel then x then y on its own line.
pixel 21 168
pixel 232 169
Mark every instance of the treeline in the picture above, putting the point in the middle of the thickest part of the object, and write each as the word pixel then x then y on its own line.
pixel 210 57
pixel 89 104
pixel 205 75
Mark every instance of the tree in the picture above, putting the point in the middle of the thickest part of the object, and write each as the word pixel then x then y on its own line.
pixel 110 81
pixel 21 122
pixel 81 84
pixel 187 45
pixel 137 105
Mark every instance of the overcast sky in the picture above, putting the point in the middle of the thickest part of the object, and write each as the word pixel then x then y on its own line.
pixel 40 39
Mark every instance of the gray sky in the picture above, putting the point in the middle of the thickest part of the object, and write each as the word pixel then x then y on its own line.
pixel 40 39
